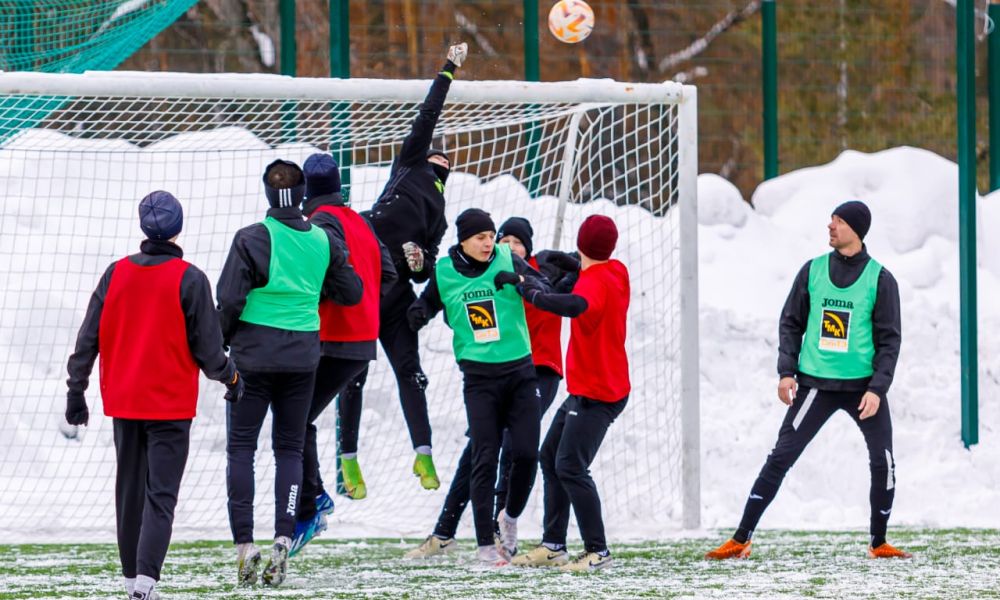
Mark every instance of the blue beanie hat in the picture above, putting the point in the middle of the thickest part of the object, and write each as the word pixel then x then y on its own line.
pixel 322 176
pixel 857 215
pixel 160 215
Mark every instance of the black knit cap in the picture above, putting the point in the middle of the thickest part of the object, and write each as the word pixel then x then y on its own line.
pixel 857 215
pixel 520 228
pixel 473 221
pixel 291 195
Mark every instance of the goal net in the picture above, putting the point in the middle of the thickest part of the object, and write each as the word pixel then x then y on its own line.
pixel 77 153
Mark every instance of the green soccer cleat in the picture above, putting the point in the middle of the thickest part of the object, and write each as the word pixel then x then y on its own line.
pixel 423 467
pixel 248 561
pixel 354 482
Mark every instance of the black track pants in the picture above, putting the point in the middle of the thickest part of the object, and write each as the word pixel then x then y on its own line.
pixel 401 347
pixel 493 404
pixel 458 493
pixel 151 456
pixel 569 449
pixel 332 376
pixel 804 418
pixel 288 396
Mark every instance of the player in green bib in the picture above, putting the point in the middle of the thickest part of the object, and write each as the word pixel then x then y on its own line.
pixel 476 286
pixel 269 294
pixel 839 340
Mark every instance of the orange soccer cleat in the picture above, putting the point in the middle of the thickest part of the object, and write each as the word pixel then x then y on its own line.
pixel 731 549
pixel 887 550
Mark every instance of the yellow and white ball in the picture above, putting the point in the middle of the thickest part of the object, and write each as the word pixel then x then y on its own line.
pixel 571 21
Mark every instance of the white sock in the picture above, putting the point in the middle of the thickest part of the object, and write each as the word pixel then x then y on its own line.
pixel 423 450
pixel 351 455
pixel 554 547
pixel 129 585
pixel 144 584
pixel 283 540
pixel 509 518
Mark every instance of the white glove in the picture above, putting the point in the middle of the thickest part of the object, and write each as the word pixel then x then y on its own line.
pixel 414 257
pixel 457 53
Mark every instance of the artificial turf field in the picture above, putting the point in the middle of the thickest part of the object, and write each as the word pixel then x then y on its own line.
pixel 785 564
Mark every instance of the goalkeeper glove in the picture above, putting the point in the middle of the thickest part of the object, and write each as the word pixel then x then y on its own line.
pixel 457 53
pixel 414 257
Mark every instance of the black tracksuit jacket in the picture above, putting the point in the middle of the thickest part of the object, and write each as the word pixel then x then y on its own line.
pixel 886 326
pixel 348 350
pixel 268 349
pixel 430 302
pixel 411 207
pixel 202 324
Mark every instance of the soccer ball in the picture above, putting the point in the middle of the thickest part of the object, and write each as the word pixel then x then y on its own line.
pixel 571 21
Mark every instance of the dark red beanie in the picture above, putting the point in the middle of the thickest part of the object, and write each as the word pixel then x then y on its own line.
pixel 597 238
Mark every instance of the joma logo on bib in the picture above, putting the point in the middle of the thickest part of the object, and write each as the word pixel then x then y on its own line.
pixel 834 303
pixel 474 294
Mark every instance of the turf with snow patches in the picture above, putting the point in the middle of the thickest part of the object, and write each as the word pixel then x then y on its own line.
pixel 957 563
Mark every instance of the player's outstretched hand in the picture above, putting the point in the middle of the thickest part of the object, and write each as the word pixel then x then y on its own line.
pixel 787 388
pixel 414 257
pixel 563 261
pixel 506 278
pixel 457 53
pixel 234 389
pixel 76 408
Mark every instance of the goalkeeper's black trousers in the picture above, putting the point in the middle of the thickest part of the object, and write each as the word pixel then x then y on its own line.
pixel 287 396
pixel 570 446
pixel 458 493
pixel 151 456
pixel 402 349
pixel 492 404
pixel 332 376
pixel 804 418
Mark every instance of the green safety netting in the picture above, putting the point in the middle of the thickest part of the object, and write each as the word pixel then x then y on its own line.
pixel 72 36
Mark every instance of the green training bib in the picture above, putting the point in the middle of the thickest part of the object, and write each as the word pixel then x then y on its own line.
pixel 487 326
pixel 290 300
pixel 838 342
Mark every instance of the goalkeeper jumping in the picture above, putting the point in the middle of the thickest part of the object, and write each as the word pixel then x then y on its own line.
pixel 409 219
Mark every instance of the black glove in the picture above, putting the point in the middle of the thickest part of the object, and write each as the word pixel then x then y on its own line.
pixel 234 389
pixel 563 261
pixel 506 277
pixel 416 316
pixel 76 408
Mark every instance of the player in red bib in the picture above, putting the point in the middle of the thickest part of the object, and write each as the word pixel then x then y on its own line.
pixel 598 384
pixel 153 323
pixel 347 342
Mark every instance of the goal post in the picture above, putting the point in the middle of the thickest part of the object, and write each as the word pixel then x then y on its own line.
pixel 74 166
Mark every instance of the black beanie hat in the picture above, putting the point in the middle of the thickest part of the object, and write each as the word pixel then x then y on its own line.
pixel 473 221
pixel 160 215
pixel 520 228
pixel 292 196
pixel 322 176
pixel 438 152
pixel 857 215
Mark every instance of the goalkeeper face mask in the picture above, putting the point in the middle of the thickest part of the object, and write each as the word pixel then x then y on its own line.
pixel 440 164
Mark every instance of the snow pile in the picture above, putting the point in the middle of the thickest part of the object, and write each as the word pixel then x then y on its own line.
pixel 64 220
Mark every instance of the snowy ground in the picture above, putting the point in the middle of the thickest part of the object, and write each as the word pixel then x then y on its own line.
pixel 785 565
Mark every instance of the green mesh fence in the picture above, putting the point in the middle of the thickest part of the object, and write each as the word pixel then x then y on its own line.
pixel 72 36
